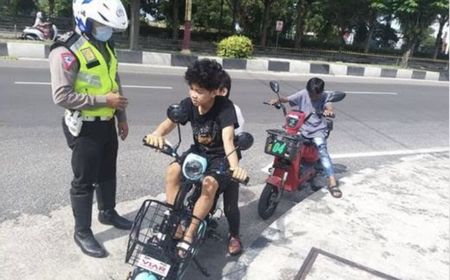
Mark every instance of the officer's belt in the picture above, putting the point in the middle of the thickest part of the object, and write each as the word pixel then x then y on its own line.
pixel 93 119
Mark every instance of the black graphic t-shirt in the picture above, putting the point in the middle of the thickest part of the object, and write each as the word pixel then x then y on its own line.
pixel 207 128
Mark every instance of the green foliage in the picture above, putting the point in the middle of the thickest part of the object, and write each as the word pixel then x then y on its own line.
pixel 236 46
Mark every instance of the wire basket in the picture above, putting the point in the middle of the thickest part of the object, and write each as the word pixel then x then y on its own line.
pixel 152 233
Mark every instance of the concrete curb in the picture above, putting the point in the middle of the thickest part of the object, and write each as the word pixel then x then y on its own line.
pixel 36 50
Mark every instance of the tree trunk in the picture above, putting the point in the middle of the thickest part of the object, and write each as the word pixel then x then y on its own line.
pixel 408 53
pixel 265 23
pixel 134 28
pixel 234 12
pixel 51 8
pixel 372 23
pixel 300 23
pixel 176 22
pixel 438 43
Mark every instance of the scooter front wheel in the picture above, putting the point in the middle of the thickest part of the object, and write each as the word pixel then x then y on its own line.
pixel 268 201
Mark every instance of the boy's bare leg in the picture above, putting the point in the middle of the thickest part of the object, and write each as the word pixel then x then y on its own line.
pixel 202 206
pixel 173 177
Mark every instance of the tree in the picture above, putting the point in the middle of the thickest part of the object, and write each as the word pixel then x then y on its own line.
pixel 375 7
pixel 265 22
pixel 300 22
pixel 442 18
pixel 415 16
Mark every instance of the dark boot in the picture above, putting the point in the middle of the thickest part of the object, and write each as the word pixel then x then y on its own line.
pixel 106 199
pixel 83 236
pixel 110 217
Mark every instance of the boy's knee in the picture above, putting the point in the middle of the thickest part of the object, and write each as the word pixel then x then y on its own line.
pixel 173 171
pixel 209 186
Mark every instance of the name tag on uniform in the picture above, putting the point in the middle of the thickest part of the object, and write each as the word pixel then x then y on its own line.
pixel 91 60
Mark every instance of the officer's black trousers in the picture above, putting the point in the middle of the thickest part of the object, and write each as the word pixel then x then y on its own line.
pixel 94 156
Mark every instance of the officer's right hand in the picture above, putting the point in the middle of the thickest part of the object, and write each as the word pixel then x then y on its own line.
pixel 155 140
pixel 117 101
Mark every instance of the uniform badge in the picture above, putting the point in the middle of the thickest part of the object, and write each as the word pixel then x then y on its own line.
pixel 68 60
pixel 89 55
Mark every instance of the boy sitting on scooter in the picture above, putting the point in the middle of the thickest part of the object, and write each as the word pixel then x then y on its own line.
pixel 312 101
pixel 213 120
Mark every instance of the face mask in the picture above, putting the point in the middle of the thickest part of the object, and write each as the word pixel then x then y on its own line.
pixel 102 33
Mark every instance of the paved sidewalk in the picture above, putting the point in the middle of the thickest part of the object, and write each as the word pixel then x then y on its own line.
pixel 39 50
pixel 392 223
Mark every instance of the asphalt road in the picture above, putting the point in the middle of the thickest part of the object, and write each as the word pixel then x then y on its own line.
pixel 378 120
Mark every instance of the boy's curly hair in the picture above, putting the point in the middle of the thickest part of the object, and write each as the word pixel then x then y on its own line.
pixel 206 73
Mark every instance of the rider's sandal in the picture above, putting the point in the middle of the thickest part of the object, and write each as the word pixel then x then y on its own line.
pixel 234 246
pixel 335 191
pixel 183 248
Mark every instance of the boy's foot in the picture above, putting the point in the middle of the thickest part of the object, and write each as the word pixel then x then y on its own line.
pixel 234 246
pixel 335 191
pixel 184 247
pixel 333 187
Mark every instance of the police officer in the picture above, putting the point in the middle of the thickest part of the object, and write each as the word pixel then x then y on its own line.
pixel 83 67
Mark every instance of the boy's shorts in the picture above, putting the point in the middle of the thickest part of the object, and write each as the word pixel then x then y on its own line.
pixel 216 162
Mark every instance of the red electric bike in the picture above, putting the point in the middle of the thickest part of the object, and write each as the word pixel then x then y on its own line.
pixel 296 158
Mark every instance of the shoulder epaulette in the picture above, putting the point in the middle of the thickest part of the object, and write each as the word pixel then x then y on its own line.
pixel 65 40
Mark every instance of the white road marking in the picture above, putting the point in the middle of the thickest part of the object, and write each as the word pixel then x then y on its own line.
pixel 372 92
pixel 265 169
pixel 391 153
pixel 123 86
pixel 31 83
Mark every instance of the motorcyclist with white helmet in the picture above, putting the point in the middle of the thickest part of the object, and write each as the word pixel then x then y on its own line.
pixel 39 19
pixel 83 67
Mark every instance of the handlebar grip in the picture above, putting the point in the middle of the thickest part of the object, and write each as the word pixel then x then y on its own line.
pixel 276 105
pixel 245 182
pixel 166 149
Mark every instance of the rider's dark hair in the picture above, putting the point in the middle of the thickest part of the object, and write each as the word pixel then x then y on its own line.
pixel 226 82
pixel 315 85
pixel 206 73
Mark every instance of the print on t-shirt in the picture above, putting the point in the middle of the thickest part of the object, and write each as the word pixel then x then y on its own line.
pixel 205 133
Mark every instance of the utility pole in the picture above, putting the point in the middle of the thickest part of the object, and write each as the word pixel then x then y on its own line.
pixel 187 28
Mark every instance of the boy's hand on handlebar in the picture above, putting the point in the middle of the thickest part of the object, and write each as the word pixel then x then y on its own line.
pixel 155 140
pixel 328 113
pixel 274 101
pixel 239 173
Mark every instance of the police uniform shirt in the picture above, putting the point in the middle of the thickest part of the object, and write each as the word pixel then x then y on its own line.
pixel 64 70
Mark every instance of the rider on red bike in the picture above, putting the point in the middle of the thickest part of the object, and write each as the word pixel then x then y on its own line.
pixel 312 102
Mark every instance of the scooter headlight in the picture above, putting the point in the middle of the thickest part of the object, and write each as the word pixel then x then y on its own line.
pixel 194 166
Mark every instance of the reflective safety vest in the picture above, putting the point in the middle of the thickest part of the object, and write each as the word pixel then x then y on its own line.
pixel 95 76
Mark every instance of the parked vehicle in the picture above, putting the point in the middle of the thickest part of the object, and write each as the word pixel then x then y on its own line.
pixel 152 243
pixel 296 158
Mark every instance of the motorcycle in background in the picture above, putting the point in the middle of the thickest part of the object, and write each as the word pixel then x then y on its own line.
pixel 41 32
pixel 296 158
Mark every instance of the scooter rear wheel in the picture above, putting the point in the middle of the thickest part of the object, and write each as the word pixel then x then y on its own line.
pixel 268 201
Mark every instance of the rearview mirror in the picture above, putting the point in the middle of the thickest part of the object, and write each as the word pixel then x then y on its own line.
pixel 275 86
pixel 243 140
pixel 335 96
pixel 177 114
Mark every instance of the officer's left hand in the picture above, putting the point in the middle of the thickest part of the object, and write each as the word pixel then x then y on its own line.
pixel 122 128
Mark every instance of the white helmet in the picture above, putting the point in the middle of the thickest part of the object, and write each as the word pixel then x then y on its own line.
pixel 107 12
